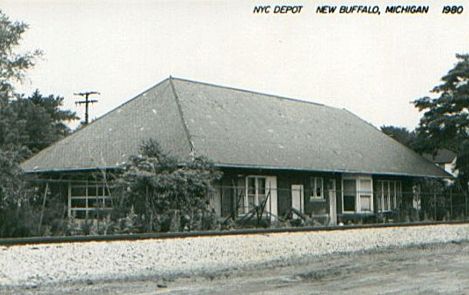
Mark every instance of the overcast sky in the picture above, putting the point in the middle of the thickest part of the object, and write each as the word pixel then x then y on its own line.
pixel 371 65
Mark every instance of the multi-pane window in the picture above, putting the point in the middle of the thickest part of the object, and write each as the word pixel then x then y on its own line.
pixel 255 192
pixel 317 188
pixel 357 194
pixel 365 195
pixel 389 193
pixel 88 200
pixel 350 195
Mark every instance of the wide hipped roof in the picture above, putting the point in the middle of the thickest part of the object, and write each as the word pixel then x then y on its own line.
pixel 234 128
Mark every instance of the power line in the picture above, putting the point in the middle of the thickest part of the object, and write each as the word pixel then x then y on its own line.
pixel 86 102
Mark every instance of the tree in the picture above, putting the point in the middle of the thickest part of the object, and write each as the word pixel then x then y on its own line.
pixel 445 120
pixel 162 190
pixel 12 69
pixel 36 121
pixel 12 65
pixel 14 196
pixel 42 120
pixel 401 134
pixel 462 163
pixel 26 124
pixel 10 178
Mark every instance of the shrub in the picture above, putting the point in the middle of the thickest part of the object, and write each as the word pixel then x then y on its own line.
pixel 166 195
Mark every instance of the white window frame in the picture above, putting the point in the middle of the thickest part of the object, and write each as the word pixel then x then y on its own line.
pixel 256 195
pixel 314 180
pixel 358 193
pixel 392 199
pixel 102 198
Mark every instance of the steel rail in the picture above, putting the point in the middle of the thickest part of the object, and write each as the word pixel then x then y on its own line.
pixel 195 234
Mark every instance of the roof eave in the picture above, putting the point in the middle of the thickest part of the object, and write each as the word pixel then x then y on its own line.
pixel 267 167
pixel 247 166
pixel 59 170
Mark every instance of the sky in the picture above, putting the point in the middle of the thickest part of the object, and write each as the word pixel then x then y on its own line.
pixel 372 65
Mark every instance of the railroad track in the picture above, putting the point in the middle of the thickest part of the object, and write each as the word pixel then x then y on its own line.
pixel 179 235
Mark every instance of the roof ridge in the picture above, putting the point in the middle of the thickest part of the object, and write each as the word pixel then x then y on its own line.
pixel 181 114
pixel 74 132
pixel 255 92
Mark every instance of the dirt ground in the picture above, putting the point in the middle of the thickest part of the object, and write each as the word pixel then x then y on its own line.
pixel 429 269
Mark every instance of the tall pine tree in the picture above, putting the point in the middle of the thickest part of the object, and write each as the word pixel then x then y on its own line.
pixel 42 120
pixel 401 134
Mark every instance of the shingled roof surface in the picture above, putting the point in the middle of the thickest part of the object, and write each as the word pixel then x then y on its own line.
pixel 234 128
pixel 442 156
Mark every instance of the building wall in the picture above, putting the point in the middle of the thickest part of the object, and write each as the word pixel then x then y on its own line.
pixel 234 183
pixel 225 200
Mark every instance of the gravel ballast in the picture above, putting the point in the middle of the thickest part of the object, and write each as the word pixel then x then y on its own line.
pixel 168 258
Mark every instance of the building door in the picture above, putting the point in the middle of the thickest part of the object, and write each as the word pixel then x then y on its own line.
pixel 258 189
pixel 297 197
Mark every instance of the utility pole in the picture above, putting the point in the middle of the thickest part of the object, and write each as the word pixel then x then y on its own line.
pixel 86 102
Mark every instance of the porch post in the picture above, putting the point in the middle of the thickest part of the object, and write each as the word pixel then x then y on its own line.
pixel 419 205
pixel 69 200
pixel 270 202
pixel 86 193
pixel 43 207
pixel 220 189
pixel 234 199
